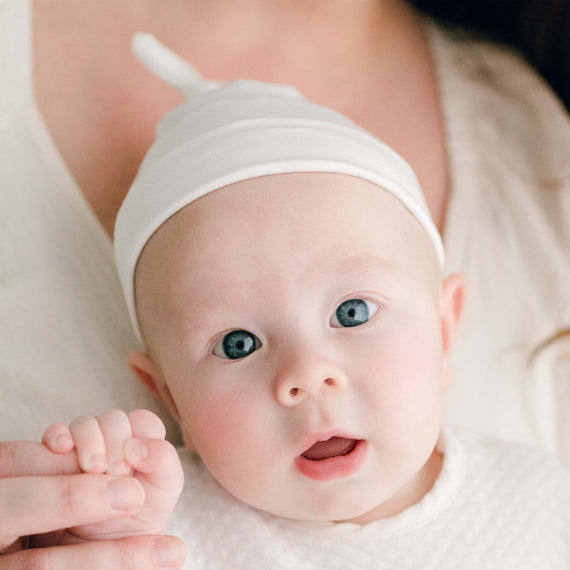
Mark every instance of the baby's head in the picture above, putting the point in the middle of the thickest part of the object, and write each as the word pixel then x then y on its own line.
pixel 288 285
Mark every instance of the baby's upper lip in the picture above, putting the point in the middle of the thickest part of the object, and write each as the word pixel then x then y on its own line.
pixel 312 439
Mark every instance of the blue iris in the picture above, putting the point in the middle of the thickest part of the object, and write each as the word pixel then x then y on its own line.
pixel 352 313
pixel 239 344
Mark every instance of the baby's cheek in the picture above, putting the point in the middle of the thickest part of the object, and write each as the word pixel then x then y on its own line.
pixel 211 423
pixel 224 430
pixel 405 377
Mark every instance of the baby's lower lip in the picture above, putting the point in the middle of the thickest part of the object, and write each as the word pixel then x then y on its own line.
pixel 334 467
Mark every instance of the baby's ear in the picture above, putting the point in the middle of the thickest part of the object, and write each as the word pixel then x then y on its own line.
pixel 149 374
pixel 452 297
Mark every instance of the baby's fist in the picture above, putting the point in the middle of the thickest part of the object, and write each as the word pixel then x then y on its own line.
pixel 119 444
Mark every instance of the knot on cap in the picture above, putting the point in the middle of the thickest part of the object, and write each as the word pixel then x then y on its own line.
pixel 229 132
pixel 168 66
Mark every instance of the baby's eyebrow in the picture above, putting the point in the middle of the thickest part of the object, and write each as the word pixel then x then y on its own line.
pixel 198 313
pixel 363 264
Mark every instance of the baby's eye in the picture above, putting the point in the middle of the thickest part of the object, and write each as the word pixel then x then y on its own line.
pixel 237 344
pixel 353 312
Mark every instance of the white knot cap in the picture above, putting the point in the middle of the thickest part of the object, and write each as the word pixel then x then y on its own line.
pixel 235 131
pixel 168 66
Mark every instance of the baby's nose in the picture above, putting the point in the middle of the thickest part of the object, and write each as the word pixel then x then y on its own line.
pixel 291 396
pixel 308 376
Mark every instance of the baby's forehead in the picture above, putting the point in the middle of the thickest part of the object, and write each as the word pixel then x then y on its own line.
pixel 271 203
pixel 336 215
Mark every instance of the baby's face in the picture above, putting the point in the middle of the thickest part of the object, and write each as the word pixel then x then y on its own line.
pixel 288 310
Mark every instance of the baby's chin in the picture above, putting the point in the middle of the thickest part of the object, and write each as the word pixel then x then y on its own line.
pixel 333 514
pixel 348 509
pixel 361 500
pixel 344 507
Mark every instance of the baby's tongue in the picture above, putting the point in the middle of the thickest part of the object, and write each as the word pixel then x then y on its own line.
pixel 331 448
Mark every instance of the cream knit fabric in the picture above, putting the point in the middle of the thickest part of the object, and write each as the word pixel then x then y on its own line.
pixel 495 506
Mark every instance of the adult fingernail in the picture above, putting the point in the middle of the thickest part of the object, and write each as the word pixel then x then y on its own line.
pixel 124 493
pixel 168 551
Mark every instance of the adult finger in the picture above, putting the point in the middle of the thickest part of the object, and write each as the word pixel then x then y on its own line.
pixel 24 458
pixel 33 505
pixel 136 553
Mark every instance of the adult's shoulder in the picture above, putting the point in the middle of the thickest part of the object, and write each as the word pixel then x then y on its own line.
pixel 494 86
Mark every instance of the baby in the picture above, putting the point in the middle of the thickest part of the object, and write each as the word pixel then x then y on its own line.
pixel 282 269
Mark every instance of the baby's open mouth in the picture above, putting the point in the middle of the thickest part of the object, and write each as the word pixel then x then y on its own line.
pixel 333 447
pixel 334 458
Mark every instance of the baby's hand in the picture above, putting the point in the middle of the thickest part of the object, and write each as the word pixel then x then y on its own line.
pixel 119 444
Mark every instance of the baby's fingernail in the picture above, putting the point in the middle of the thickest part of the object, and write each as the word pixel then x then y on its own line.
pixel 137 448
pixel 63 441
pixel 124 493
pixel 97 463
pixel 168 551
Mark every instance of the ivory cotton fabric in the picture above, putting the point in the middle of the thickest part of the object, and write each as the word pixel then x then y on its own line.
pixel 64 328
pixel 507 230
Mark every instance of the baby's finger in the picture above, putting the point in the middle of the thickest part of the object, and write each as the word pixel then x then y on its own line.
pixel 158 461
pixel 57 438
pixel 116 429
pixel 90 444
pixel 146 425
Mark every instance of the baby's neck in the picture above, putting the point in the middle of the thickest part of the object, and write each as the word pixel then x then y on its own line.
pixel 410 494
